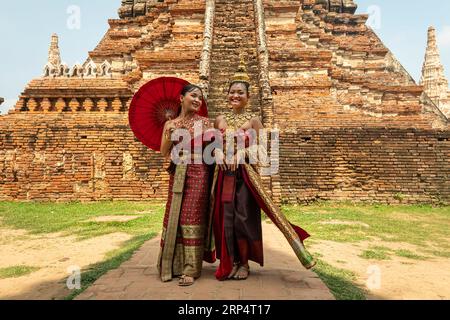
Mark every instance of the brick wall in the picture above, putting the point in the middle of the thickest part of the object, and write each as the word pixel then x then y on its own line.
pixel 391 166
pixel 353 123
pixel 76 157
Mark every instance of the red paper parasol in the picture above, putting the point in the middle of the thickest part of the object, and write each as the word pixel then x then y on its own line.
pixel 156 102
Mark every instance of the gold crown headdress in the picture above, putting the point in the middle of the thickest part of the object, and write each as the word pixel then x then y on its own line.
pixel 241 75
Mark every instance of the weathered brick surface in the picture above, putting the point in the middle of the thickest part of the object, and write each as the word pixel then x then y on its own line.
pixel 354 124
pixel 368 164
pixel 77 157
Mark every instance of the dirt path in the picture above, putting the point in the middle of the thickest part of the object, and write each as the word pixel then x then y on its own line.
pixel 396 279
pixel 53 254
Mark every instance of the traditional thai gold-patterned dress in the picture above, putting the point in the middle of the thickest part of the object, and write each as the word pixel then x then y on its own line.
pixel 182 243
pixel 236 203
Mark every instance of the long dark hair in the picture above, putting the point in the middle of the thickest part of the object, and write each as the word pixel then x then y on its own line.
pixel 246 84
pixel 189 88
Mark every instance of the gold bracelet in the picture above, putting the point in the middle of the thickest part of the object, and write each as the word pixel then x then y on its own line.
pixel 167 134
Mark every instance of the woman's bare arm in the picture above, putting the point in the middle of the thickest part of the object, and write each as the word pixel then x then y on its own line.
pixel 166 143
pixel 220 122
pixel 256 124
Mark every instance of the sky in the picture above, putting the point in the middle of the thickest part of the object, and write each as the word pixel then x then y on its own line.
pixel 26 27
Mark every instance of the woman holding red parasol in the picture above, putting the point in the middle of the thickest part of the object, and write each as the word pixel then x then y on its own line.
pixel 159 109
pixel 239 195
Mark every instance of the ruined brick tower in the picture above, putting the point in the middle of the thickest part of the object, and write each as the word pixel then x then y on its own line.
pixel 433 77
pixel 353 123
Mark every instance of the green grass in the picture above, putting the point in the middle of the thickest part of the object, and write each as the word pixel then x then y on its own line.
pixel 72 218
pixel 339 281
pixel 16 271
pixel 383 253
pixel 401 223
pixel 409 254
pixel 422 225
pixel 375 255
pixel 425 226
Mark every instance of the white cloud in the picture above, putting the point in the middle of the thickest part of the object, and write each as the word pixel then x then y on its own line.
pixel 7 105
pixel 444 37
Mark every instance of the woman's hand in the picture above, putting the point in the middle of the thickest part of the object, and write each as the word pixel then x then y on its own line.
pixel 166 143
pixel 169 128
pixel 233 166
pixel 220 159
pixel 223 164
pixel 238 158
pixel 221 123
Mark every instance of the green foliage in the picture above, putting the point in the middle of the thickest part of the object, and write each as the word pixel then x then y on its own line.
pixel 399 197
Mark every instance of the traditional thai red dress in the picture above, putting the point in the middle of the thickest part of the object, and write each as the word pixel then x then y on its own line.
pixel 183 238
pixel 237 200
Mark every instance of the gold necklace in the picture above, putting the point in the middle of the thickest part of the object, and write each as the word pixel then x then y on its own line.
pixel 187 123
pixel 236 121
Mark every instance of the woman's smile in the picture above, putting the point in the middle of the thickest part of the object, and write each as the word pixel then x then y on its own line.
pixel 238 96
pixel 235 101
pixel 193 100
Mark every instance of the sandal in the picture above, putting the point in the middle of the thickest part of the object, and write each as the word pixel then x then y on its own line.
pixel 234 271
pixel 242 273
pixel 185 281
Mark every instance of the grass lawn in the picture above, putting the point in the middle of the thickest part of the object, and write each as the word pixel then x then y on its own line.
pixel 339 281
pixel 16 271
pixel 418 225
pixel 74 219
pixel 426 226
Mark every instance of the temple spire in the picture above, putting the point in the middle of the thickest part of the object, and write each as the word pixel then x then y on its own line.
pixel 54 56
pixel 433 77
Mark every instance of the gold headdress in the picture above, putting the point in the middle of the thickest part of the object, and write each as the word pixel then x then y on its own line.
pixel 241 75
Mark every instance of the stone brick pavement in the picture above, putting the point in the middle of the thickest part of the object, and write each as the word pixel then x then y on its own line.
pixel 282 278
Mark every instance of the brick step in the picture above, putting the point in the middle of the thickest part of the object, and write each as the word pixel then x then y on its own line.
pixel 234 32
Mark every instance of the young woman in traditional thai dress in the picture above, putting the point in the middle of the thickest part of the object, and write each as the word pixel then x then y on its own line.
pixel 182 243
pixel 238 197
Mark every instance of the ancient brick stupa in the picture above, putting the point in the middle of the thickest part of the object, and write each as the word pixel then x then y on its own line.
pixel 354 125
pixel 433 77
